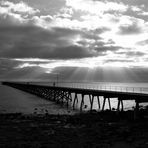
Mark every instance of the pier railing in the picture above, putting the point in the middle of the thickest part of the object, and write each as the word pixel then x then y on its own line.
pixel 95 86
pixel 72 95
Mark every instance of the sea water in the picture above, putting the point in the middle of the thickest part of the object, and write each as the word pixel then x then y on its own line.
pixel 16 101
pixel 13 100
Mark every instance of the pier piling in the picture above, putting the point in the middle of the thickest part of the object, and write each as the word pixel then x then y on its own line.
pixel 69 96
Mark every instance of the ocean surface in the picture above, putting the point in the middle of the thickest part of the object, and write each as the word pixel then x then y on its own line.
pixel 16 101
pixel 13 100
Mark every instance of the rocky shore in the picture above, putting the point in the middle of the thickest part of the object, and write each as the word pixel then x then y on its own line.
pixel 88 130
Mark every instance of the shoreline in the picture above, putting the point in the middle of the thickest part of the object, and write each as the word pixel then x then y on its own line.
pixel 96 129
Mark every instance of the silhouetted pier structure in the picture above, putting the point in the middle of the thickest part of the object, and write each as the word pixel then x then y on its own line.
pixel 69 96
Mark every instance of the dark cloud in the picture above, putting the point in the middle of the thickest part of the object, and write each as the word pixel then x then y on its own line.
pixel 7 65
pixel 129 29
pixel 36 42
pixel 20 40
pixel 72 52
pixel 103 49
pixel 9 70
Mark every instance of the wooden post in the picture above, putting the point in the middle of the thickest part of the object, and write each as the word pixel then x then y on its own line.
pixel 82 102
pixel 70 97
pixel 103 103
pixel 136 111
pixel 118 106
pixel 122 105
pixel 98 102
pixel 92 101
pixel 75 99
pixel 137 105
pixel 109 103
pixel 90 98
pixel 120 101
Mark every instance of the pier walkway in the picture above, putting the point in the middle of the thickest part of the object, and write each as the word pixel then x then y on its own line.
pixel 69 96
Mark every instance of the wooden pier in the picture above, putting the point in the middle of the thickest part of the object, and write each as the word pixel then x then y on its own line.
pixel 69 96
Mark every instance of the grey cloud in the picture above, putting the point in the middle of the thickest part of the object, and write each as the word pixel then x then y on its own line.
pixel 94 34
pixel 107 48
pixel 44 5
pixel 136 3
pixel 73 52
pixel 129 29
pixel 29 41
pixel 7 64
pixel 8 70
pixel 133 54
pixel 144 42
pixel 36 42
pixel 20 40
pixel 114 60
pixel 24 73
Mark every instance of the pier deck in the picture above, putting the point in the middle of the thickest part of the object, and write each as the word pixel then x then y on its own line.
pixel 69 96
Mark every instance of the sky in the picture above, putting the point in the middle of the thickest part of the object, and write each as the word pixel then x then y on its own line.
pixel 92 40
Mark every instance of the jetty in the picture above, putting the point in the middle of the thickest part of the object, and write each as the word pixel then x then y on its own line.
pixel 71 96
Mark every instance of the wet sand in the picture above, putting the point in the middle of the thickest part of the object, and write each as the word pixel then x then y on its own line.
pixel 90 130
